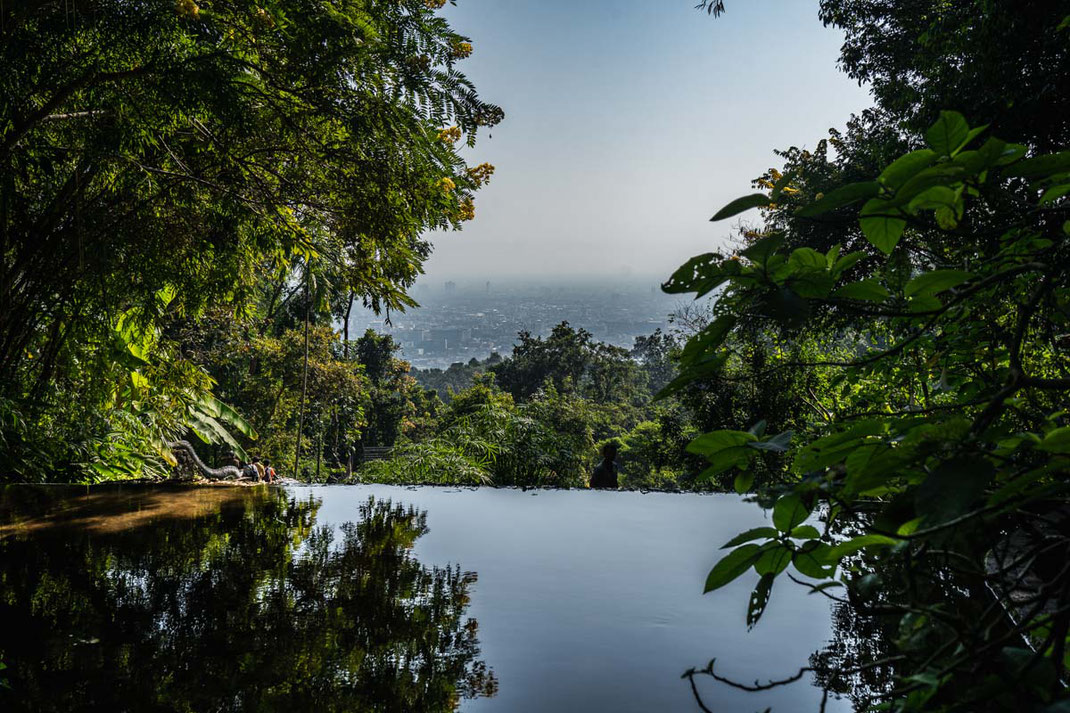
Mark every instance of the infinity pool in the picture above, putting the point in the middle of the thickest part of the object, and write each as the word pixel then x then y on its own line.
pixel 385 598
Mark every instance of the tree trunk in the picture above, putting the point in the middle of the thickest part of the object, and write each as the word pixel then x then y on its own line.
pixel 304 380
pixel 319 454
pixel 345 327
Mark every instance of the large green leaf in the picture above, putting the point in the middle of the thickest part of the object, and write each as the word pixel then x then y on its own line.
pixel 752 534
pixel 881 225
pixel 869 290
pixel 710 443
pixel 935 282
pixel 701 274
pixel 1057 441
pixel 1040 166
pixel 905 167
pixel 948 134
pixel 812 560
pixel 774 560
pixel 731 566
pixel 754 200
pixel 217 409
pixel 708 339
pixel 789 512
pixel 952 489
pixel 869 465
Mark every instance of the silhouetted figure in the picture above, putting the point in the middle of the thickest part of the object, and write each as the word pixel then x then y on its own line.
pixel 605 473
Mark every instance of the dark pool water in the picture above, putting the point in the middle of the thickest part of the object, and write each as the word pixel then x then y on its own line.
pixel 377 598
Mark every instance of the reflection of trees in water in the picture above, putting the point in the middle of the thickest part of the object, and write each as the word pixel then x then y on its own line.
pixel 248 607
pixel 842 666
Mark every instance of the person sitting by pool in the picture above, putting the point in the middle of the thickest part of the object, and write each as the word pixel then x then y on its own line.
pixel 259 469
pixel 605 473
pixel 248 471
pixel 269 471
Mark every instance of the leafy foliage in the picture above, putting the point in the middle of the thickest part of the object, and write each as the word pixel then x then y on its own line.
pixel 161 159
pixel 955 311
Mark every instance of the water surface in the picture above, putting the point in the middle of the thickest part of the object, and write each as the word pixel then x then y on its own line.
pixel 384 598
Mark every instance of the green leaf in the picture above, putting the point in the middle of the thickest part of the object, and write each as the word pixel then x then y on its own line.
pixel 731 566
pixel 840 197
pixel 935 197
pixel 944 174
pixel 754 200
pixel 952 489
pixel 702 274
pixel 935 282
pixel 707 340
pixel 924 303
pixel 710 443
pixel 846 263
pixel 752 534
pixel 869 465
pixel 805 532
pixel 743 482
pixel 906 166
pixel 1054 193
pixel 834 448
pixel 1040 167
pixel 869 290
pixel 948 134
pixel 229 415
pixel 882 230
pixel 807 258
pixel 773 560
pixel 759 599
pixel 974 133
pixel 760 250
pixel 726 459
pixel 789 512
pixel 1057 441
pixel 811 560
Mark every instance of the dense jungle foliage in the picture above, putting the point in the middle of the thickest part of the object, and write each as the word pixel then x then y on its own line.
pixel 913 274
pixel 189 191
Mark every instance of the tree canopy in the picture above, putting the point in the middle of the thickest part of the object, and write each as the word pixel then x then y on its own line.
pixel 160 158
pixel 916 267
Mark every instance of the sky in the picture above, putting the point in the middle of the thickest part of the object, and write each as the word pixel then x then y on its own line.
pixel 628 123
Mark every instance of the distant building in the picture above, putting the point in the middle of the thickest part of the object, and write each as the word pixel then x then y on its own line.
pixel 451 287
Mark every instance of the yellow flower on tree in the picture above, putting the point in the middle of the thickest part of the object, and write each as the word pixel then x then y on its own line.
pixel 467 210
pixel 460 50
pixel 481 174
pixel 450 135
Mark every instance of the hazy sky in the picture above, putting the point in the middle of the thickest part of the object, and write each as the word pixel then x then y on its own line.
pixel 629 123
